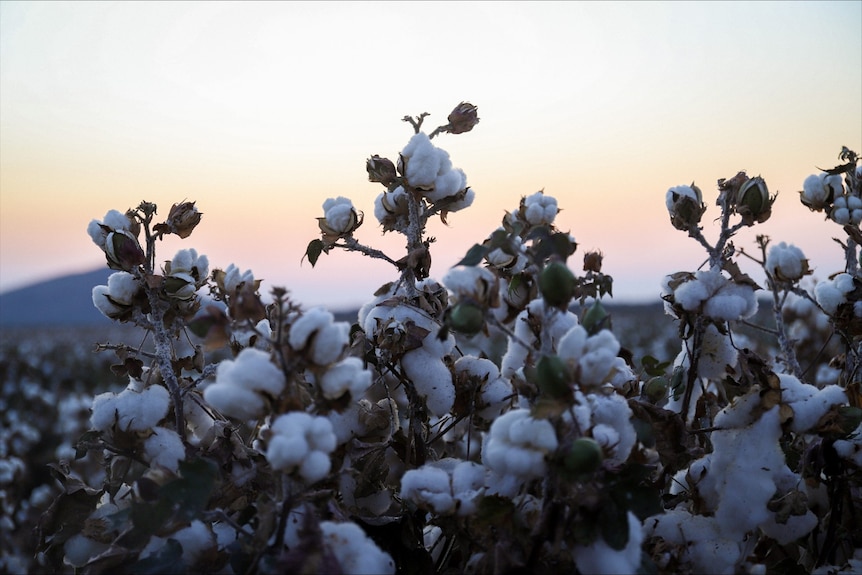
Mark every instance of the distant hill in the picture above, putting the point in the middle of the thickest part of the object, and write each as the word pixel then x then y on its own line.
pixel 64 301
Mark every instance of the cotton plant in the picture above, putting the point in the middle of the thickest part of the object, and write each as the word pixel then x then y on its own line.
pixel 484 418
pixel 770 431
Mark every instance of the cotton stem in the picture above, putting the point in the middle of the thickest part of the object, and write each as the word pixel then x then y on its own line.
pixel 164 359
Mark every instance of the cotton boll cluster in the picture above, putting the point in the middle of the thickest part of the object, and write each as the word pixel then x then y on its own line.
pixel 734 485
pixel 515 450
pixel 536 321
pixel 354 550
pixel 846 210
pixel 831 293
pixel 717 297
pixel 819 190
pixel 410 334
pixel 130 410
pixel 495 392
pixel 429 169
pixel 116 299
pixel 599 557
pixel 786 263
pixel 445 486
pixel 607 419
pixel 243 385
pixel 593 360
pixel 319 337
pixel 301 442
pixel 809 403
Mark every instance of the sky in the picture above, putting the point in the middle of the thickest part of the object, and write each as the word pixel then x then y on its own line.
pixel 259 112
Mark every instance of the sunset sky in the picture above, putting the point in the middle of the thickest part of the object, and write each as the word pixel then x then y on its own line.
pixel 261 111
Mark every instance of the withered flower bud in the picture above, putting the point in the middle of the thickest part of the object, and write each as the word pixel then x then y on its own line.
pixel 381 170
pixel 183 218
pixel 463 118
pixel 593 262
pixel 753 203
pixel 123 251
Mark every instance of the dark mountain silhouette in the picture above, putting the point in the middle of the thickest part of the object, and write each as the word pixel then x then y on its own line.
pixel 63 301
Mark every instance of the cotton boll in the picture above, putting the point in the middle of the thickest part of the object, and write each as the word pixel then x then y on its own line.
pixel 196 539
pixel 851 448
pixel 786 262
pixel 832 293
pixel 355 551
pixel 717 354
pixel 704 547
pixel 286 452
pixel 517 444
pixel 463 202
pixel 430 488
pixel 423 161
pixel 557 324
pixel 235 401
pixel 349 375
pixel 164 448
pixel 301 442
pixel 319 335
pixel 79 549
pixel 599 557
pixel 432 380
pixel 339 215
pixel 809 403
pixel 447 184
pixel 540 209
pixel 252 369
pixel 611 415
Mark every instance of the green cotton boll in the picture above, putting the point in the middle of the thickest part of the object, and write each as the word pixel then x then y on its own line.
pixel 584 456
pixel 557 284
pixel 552 377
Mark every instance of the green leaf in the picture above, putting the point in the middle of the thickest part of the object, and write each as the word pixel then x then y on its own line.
pixel 191 492
pixel 614 525
pixel 313 251
pixel 167 560
pixel 474 256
